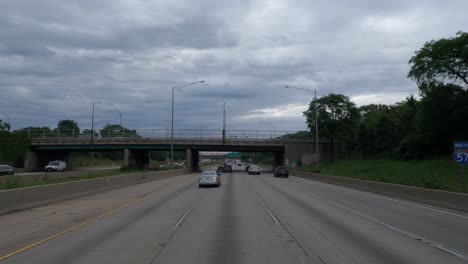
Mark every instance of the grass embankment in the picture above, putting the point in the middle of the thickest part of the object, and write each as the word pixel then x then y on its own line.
pixel 14 183
pixel 440 174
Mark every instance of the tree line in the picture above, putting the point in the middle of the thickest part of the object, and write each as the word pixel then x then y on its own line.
pixel 411 129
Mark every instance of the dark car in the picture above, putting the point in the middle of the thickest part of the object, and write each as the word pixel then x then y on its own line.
pixel 281 171
pixel 6 170
pixel 220 169
pixel 227 168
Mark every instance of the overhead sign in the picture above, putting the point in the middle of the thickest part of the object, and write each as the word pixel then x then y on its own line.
pixel 460 152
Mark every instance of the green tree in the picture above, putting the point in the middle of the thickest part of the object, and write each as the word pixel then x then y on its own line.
pixel 68 127
pixel 337 118
pixel 443 61
pixel 13 147
pixel 36 132
pixel 117 131
pixel 4 126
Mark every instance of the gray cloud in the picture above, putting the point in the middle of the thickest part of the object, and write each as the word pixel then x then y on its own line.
pixel 58 56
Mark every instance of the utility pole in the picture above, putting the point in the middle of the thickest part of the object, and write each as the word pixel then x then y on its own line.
pixel 224 122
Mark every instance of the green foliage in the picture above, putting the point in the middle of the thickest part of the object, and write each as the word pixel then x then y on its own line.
pixel 13 147
pixel 4 126
pixel 441 174
pixel 443 61
pixel 117 131
pixel 337 118
pixel 337 115
pixel 68 128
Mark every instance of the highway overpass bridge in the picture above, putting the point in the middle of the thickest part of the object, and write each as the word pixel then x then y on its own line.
pixel 287 147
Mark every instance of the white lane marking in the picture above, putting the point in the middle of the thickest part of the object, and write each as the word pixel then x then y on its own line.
pixel 431 243
pixel 273 217
pixel 181 219
pixel 394 200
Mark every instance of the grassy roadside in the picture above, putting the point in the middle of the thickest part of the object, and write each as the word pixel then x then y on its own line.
pixel 86 176
pixel 440 174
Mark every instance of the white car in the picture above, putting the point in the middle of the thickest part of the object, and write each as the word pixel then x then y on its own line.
pixel 254 169
pixel 56 165
pixel 209 178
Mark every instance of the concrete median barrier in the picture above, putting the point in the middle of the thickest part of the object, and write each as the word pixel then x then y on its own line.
pixel 23 198
pixel 453 200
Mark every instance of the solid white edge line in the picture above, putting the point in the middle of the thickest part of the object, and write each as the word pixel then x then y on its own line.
pixel 181 219
pixel 451 251
pixel 390 199
pixel 273 217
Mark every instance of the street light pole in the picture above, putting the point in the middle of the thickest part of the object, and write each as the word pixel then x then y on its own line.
pixel 172 116
pixel 316 118
pixel 224 122
pixel 92 122
pixel 120 118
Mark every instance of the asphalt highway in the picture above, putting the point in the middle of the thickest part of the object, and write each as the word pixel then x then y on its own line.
pixel 249 219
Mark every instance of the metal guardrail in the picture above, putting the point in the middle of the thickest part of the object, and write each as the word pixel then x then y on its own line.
pixel 141 135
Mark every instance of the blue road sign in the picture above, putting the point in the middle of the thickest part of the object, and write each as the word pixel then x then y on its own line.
pixel 460 152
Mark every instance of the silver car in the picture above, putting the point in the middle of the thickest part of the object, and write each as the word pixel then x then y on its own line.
pixel 6 170
pixel 209 178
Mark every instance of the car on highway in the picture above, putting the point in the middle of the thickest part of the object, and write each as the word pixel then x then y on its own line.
pixel 227 168
pixel 254 169
pixel 209 178
pixel 7 170
pixel 281 171
pixel 220 169
pixel 56 165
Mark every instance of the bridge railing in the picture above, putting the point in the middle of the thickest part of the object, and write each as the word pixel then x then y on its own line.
pixel 165 134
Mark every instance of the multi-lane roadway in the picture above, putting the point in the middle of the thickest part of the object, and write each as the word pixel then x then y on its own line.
pixel 249 219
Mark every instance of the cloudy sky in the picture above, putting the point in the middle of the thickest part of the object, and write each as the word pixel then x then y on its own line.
pixel 57 56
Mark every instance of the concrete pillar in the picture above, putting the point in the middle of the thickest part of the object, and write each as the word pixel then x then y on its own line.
pixel 127 158
pixel 188 160
pixel 68 160
pixel 278 159
pixel 286 155
pixel 136 159
pixel 31 161
pixel 195 161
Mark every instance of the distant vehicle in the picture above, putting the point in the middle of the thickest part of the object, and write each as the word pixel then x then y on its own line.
pixel 227 168
pixel 220 169
pixel 56 165
pixel 281 171
pixel 7 170
pixel 254 169
pixel 209 178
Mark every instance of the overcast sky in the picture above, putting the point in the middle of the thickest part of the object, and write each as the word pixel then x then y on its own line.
pixel 57 56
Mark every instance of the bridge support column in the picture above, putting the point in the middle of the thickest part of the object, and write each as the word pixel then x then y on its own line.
pixel 136 159
pixel 286 155
pixel 188 161
pixel 191 160
pixel 31 162
pixel 278 159
pixel 126 158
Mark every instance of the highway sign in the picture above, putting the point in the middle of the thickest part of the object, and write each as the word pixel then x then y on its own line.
pixel 460 152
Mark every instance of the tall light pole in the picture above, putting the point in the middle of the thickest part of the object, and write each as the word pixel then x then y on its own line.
pixel 316 119
pixel 178 87
pixel 224 122
pixel 120 118
pixel 92 122
pixel 9 120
